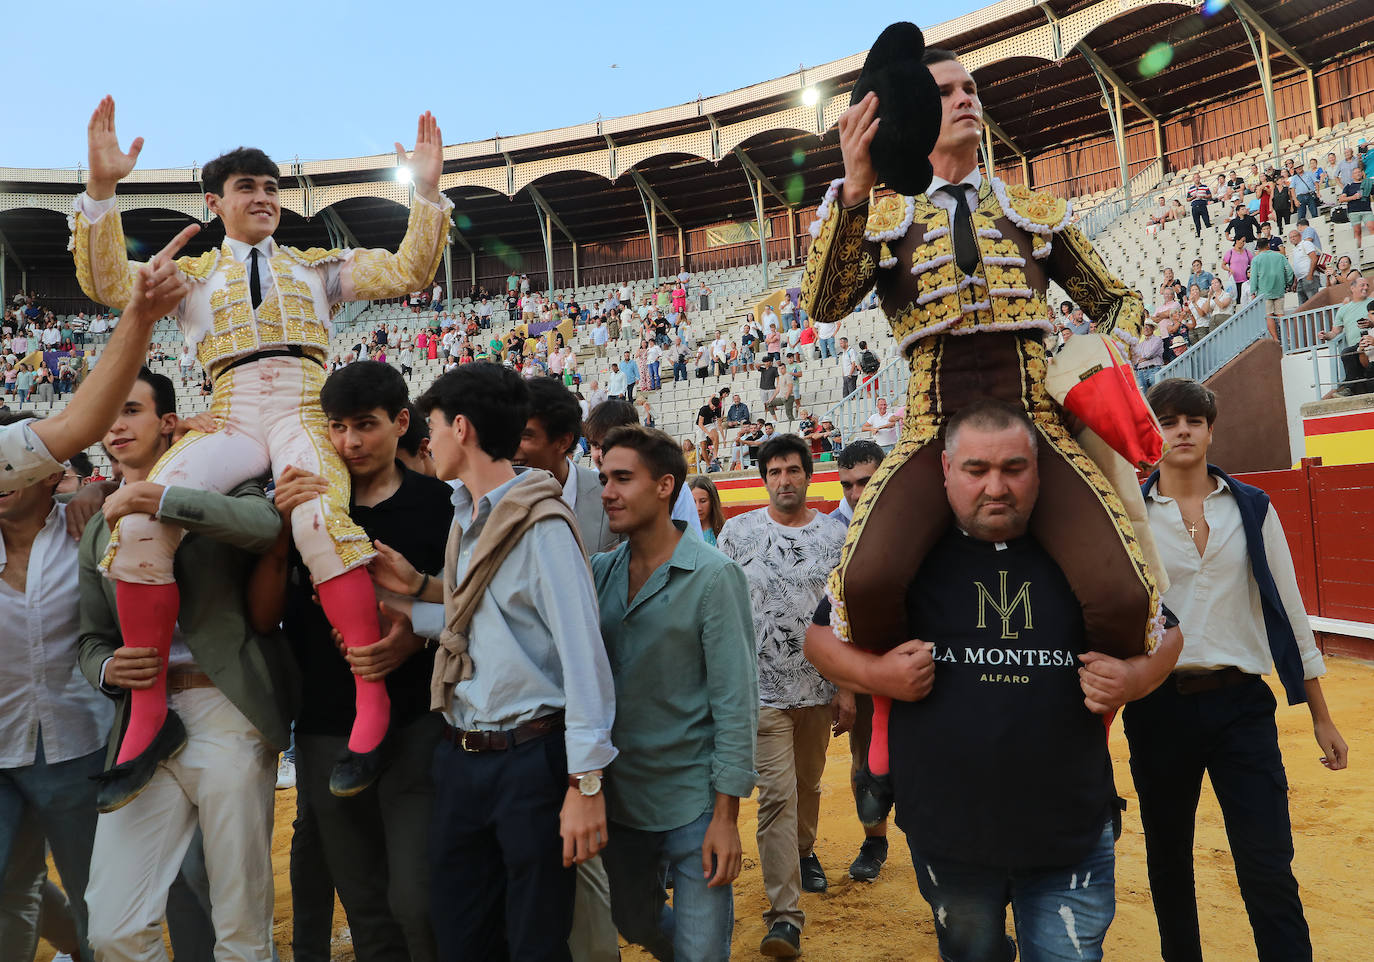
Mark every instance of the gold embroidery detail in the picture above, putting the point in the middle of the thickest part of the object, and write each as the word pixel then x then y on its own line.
pixel 314 255
pixel 102 262
pixel 1037 206
pixel 199 267
pixel 380 273
pixel 885 214
pixel 839 267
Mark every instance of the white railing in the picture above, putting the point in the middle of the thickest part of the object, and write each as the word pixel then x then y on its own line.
pixel 1110 208
pixel 1221 344
pixel 859 405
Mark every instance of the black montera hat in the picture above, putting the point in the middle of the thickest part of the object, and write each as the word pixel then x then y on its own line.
pixel 908 105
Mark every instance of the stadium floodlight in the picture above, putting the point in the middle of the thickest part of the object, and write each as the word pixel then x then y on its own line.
pixel 403 174
pixel 811 96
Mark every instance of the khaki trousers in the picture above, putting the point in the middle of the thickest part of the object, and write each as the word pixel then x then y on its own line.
pixel 791 759
pixel 224 780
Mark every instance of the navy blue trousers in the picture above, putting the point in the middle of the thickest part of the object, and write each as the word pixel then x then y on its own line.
pixel 498 888
pixel 1230 734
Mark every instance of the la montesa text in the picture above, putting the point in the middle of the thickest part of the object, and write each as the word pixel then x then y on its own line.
pixel 1008 657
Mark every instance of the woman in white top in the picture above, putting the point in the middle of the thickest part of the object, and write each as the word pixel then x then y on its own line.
pixel 1222 300
pixel 1201 307
pixel 794 334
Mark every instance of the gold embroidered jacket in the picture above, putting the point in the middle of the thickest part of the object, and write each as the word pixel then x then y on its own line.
pixel 217 318
pixel 904 245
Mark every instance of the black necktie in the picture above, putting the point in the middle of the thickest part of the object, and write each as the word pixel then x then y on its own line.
pixel 965 243
pixel 254 281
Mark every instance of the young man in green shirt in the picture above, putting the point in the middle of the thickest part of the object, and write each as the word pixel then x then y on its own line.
pixel 686 759
pixel 1270 275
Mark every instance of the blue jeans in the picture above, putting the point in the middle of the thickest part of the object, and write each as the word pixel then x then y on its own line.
pixel 1145 376
pixel 698 925
pixel 679 370
pixel 655 382
pixel 1307 202
pixel 61 796
pixel 1061 913
pixel 827 347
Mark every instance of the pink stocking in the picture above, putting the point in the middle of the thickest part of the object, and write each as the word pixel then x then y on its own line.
pixel 877 743
pixel 147 614
pixel 351 607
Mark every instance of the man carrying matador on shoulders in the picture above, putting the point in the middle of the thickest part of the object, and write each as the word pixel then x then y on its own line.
pixel 258 318
pixel 962 263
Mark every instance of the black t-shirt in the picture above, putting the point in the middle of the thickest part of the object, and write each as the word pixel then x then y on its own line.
pixel 708 415
pixel 768 377
pixel 1001 764
pixel 1242 227
pixel 415 521
pixel 1353 195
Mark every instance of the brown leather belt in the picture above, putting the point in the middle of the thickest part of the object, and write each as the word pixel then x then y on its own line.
pixel 1196 682
pixel 184 680
pixel 475 741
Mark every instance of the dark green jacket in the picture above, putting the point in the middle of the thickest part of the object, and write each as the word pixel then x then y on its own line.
pixel 225 535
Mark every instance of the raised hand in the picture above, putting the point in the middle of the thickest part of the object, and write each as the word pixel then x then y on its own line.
pixel 858 127
pixel 426 162
pixel 159 284
pixel 108 164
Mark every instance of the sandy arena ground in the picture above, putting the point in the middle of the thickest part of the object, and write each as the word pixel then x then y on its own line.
pixel 1333 828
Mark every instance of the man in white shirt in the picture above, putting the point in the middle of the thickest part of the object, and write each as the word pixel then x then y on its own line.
pixel 883 426
pixel 654 357
pixel 52 724
pixel 1234 591
pixel 615 387
pixel 849 367
pixel 1303 256
pixel 825 339
pixel 770 319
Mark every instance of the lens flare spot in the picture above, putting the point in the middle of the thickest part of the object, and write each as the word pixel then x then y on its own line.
pixel 798 157
pixel 795 189
pixel 463 221
pixel 1156 59
pixel 1213 7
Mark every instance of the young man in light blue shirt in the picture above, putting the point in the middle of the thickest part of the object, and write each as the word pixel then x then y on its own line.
pixel 523 681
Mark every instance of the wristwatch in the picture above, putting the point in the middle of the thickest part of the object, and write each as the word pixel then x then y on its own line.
pixel 589 784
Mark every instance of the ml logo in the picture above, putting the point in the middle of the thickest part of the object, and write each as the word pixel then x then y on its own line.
pixel 1004 608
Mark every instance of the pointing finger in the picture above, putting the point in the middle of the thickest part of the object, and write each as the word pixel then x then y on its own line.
pixel 179 241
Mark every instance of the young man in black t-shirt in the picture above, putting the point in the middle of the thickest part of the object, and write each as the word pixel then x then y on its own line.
pixel 1242 224
pixel 376 842
pixel 1000 768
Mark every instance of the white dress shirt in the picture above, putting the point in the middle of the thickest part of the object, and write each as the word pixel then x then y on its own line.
pixel 972 184
pixel 1214 596
pixel 41 686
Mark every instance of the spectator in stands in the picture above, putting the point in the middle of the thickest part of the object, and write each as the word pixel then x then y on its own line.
pixel 706 458
pixel 653 358
pixel 1076 322
pixel 708 423
pixel 737 415
pixel 1237 262
pixel 1221 194
pixel 1341 271
pixel 1344 169
pixel 689 453
pixel 678 353
pixel 1198 310
pixel 43 383
pixel 869 363
pixel 1304 184
pixel 784 394
pixel 1236 184
pixel 1354 321
pixel 849 368
pixel 1265 193
pixel 1242 226
pixel 825 339
pixel 883 425
pixel 1168 303
pixel 1199 196
pixel 1284 201
pixel 1160 214
pixel 600 336
pixel 1147 355
pixel 1355 196
pixel 1200 277
pixel 1303 258
pixel 23 382
pixel 596 394
pixel 787 551
pixel 747 441
pixel 1222 301
pixel 1271 276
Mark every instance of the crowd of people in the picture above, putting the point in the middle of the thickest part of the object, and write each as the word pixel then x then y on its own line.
pixel 525 697
pixel 1272 249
